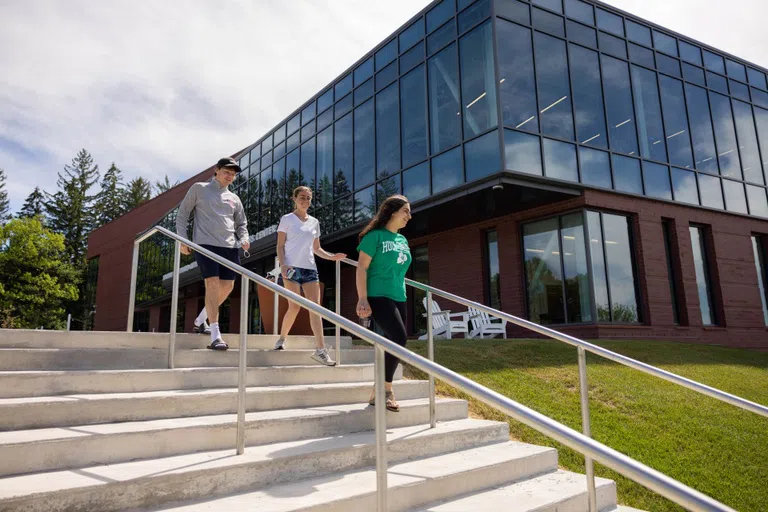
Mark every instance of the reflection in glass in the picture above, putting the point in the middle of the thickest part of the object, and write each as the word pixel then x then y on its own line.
pixel 412 57
pixel 294 124
pixel 595 167
pixel 693 74
pixel 386 188
pixel 638 33
pixel 676 122
pixel 554 5
pixel 739 90
pixel 612 45
pixel 759 97
pixel 618 99
pixel 365 204
pixel 324 182
pixel 668 65
pixel 364 145
pixel 745 129
pixel 364 71
pixel 756 78
pixel 560 160
pixel 735 198
pixel 656 179
pixel 581 34
pixel 477 80
pixel 324 119
pixel 343 86
pixel 386 76
pixel 482 156
pixel 492 268
pixel 308 131
pixel 447 170
pixel 579 10
pixel 553 85
pixel 711 191
pixel 665 43
pixel 440 14
pixel 342 176
pixel 522 152
pixel 514 10
pixel 413 111
pixel 597 265
pixel 543 274
pixel 548 22
pixel 307 171
pixel 588 97
pixel 684 186
pixel 761 119
pixel 363 92
pixel 690 53
pixel 621 274
pixel 386 54
pixel 343 107
pixel 416 182
pixel 441 37
pixel 722 117
pixel 705 156
pixel 717 83
pixel 640 55
pixel 626 174
pixel 574 256
pixel 387 132
pixel 293 170
pixel 478 12
pixel 444 106
pixel 649 124
pixel 325 101
pixel 702 275
pixel 736 70
pixel 308 113
pixel 610 22
pixel 516 84
pixel 411 35
pixel 343 213
pixel 762 278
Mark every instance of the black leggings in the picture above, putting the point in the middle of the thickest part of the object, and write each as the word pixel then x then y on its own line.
pixel 390 316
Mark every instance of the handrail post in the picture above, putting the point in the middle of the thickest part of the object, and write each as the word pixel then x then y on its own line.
pixel 337 290
pixel 241 374
pixel 132 292
pixel 174 304
pixel 381 431
pixel 275 330
pixel 69 320
pixel 431 357
pixel 585 425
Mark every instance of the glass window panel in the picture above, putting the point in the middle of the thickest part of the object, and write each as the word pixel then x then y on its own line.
pixel 665 43
pixel 736 70
pixel 560 160
pixel 324 182
pixel 280 198
pixel 711 191
pixel 739 90
pixel 245 161
pixel 656 179
pixel 714 62
pixel 365 204
pixel 544 282
pixel 676 122
pixel 279 151
pixel 693 74
pixel 307 172
pixel 411 35
pixel 412 57
pixel 554 89
pixel 344 106
pixel 293 141
pixel 416 182
pixel 684 186
pixel 612 45
pixel 256 153
pixel 364 71
pixel 387 132
pixel 756 78
pixel 514 10
pixel 516 83
pixel 440 14
pixel 750 155
pixel 386 54
pixel 641 55
pixel 413 111
pixel 668 65
pixel 554 5
pixel 595 167
pixel 725 135
pixel 461 4
pixel 759 254
pixel 758 203
pixel 704 154
pixel 342 145
pixel 492 268
pixel 364 145
pixel 579 10
pixel 761 120
pixel 280 134
pixel 759 98
pixel 325 101
pixel 441 37
pixel 597 266
pixel 717 83
pixel 324 119
pixel 701 266
pixel 522 152
pixel 363 92
pixel 308 113
pixel 267 158
pixel 447 170
pixel 588 97
pixel 386 188
pixel 578 300
pixel 386 76
pixel 621 274
pixel 735 198
pixel 548 22
pixel 269 188
pixel 266 144
pixel 638 33
pixel 308 131
pixel 618 99
pixel 581 34
pixel 610 22
pixel 672 274
pixel 478 88
pixel 690 53
pixel 293 170
pixel 445 109
pixel 294 124
pixel 474 15
pixel 343 213
pixel 649 123
pixel 482 157
pixel 343 87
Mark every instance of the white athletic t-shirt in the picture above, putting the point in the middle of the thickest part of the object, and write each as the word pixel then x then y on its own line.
pixel 299 239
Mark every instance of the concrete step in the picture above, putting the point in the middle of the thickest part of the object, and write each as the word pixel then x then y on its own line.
pixel 27 359
pixel 26 338
pixel 51 383
pixel 61 411
pixel 151 483
pixel 28 451
pixel 560 491
pixel 410 483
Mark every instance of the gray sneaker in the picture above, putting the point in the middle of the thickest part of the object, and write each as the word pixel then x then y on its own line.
pixel 322 357
pixel 280 344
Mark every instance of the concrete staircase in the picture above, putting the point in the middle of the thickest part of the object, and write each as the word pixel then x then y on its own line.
pixel 95 422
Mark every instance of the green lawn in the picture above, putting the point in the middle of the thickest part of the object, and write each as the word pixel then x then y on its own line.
pixel 714 447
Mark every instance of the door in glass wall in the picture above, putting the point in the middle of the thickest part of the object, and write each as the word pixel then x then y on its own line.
pixel 543 272
pixel 419 272
pixel 574 255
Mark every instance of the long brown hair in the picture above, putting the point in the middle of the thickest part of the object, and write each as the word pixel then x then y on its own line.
pixel 391 205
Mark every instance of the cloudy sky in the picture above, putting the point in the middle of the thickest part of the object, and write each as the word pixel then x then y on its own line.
pixel 163 89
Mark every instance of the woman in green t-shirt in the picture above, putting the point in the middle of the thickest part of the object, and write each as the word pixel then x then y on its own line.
pixel 384 259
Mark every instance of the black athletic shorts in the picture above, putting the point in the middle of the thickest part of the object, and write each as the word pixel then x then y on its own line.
pixel 210 268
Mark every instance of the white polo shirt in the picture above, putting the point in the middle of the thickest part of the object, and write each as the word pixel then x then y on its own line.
pixel 299 240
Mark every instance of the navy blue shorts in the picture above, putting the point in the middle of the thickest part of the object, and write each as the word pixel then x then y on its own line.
pixel 301 276
pixel 210 268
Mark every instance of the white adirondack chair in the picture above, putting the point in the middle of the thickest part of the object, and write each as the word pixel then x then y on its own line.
pixel 484 325
pixel 446 324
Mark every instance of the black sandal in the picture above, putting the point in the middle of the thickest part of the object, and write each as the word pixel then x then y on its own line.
pixel 218 344
pixel 392 404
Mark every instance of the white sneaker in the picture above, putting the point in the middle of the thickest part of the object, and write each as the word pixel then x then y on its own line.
pixel 280 344
pixel 322 357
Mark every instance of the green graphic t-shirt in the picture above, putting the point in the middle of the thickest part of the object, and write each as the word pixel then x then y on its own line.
pixel 390 259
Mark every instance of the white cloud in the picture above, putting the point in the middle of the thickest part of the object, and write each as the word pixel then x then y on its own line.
pixel 168 87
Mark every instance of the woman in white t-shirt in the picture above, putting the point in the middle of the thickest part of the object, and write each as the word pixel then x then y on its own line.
pixel 298 241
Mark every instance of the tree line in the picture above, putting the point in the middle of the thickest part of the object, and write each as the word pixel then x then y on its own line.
pixel 43 267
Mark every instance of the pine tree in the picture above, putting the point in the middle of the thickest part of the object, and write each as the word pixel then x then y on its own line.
pixel 33 205
pixel 139 192
pixel 70 210
pixel 5 205
pixel 164 186
pixel 110 203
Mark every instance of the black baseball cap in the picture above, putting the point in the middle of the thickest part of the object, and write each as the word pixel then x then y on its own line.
pixel 228 162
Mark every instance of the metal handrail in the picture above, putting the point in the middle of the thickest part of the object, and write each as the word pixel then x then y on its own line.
pixel 635 470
